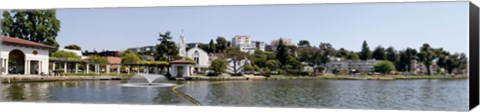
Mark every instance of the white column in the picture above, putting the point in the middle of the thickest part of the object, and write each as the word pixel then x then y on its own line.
pixel 3 66
pixel 6 66
pixel 65 67
pixel 25 67
pixel 88 68
pixel 118 69
pixel 186 72
pixel 76 67
pixel 108 69
pixel 138 70
pixel 128 69
pixel 96 68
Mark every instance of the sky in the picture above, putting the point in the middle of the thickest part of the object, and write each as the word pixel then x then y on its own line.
pixel 401 25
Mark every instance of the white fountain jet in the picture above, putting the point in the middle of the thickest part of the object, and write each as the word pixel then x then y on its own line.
pixel 150 78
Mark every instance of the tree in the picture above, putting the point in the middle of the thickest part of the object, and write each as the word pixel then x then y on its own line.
pixel 222 44
pixel 392 55
pixel 379 53
pixel 73 47
pixel 212 48
pixel 237 58
pixel 325 52
pixel 166 50
pixel 342 53
pixel 248 67
pixel 259 58
pixel 41 26
pixel 384 67
pixel 273 65
pixel 308 55
pixel 405 59
pixel 427 55
pixel 218 65
pixel 98 59
pixel 353 56
pixel 130 58
pixel 365 53
pixel 64 55
pixel 282 52
pixel 303 43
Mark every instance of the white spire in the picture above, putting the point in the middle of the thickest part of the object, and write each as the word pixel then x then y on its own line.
pixel 182 45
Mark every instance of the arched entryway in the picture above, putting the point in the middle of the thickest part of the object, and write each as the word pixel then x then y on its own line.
pixel 16 62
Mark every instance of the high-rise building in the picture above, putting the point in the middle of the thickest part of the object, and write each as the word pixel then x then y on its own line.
pixel 244 43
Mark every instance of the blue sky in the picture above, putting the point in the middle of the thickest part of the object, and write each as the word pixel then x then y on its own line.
pixel 401 25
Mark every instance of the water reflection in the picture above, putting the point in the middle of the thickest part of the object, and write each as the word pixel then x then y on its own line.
pixel 359 94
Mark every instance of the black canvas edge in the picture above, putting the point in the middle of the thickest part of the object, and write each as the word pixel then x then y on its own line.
pixel 474 55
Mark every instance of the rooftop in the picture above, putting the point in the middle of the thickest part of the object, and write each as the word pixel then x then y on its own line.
pixel 17 41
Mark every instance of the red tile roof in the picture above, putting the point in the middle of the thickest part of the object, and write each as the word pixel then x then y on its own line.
pixel 181 62
pixel 18 41
pixel 114 60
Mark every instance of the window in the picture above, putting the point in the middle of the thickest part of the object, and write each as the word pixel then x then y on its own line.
pixel 196 57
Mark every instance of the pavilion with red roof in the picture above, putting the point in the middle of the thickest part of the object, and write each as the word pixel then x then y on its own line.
pixel 19 56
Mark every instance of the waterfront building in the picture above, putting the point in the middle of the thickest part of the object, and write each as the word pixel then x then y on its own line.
pixel 18 56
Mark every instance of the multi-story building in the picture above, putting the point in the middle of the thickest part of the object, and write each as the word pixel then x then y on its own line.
pixel 420 68
pixel 245 44
pixel 360 66
pixel 259 45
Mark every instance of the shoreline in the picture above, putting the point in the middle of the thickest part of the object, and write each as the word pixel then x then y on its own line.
pixel 37 78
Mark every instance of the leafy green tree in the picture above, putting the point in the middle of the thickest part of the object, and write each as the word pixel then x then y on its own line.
pixel 427 55
pixel 384 67
pixel 273 64
pixel 282 52
pixel 308 55
pixel 342 53
pixel 41 26
pixel 353 56
pixel 304 43
pixel 218 65
pixel 212 48
pixel 64 55
pixel 259 58
pixel 379 53
pixel 203 46
pixel 73 47
pixel 130 58
pixel 166 50
pixel 248 67
pixel 98 59
pixel 222 44
pixel 392 55
pixel 365 53
pixel 237 58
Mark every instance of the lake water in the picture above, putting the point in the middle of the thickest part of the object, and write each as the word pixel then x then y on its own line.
pixel 351 94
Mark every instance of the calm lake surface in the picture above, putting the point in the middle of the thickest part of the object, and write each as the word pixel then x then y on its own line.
pixel 352 94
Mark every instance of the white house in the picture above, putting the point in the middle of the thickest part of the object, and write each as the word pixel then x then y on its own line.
pixel 200 56
pixel 18 56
